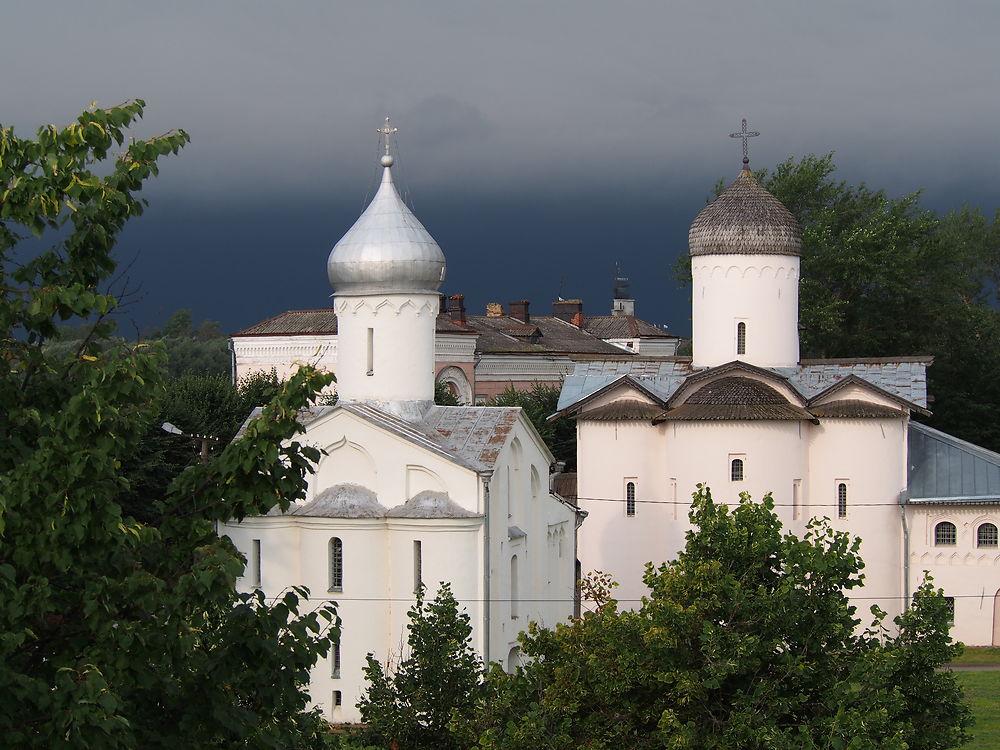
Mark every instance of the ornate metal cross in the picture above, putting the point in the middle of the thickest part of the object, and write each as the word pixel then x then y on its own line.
pixel 388 130
pixel 744 134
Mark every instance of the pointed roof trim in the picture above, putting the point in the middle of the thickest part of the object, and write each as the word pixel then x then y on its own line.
pixel 853 379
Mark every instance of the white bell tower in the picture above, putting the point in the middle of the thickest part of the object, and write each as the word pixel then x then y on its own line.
pixel 385 273
pixel 745 248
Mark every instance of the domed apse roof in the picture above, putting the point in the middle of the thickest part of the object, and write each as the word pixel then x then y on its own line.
pixel 387 249
pixel 747 220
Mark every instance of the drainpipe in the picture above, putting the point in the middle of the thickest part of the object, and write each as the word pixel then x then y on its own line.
pixel 906 551
pixel 486 569
pixel 903 497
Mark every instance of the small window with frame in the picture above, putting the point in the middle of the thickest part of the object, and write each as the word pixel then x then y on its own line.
pixel 630 498
pixel 841 498
pixel 737 468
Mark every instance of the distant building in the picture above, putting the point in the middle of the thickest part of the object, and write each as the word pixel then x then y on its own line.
pixel 407 493
pixel 829 438
pixel 477 356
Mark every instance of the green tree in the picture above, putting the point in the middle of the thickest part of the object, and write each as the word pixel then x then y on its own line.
pixel 884 277
pixel 746 640
pixel 441 680
pixel 539 403
pixel 205 405
pixel 443 395
pixel 115 633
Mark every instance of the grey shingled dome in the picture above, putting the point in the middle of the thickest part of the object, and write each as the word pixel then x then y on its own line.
pixel 745 220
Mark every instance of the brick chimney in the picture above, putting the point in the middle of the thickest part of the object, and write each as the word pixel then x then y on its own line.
pixel 567 309
pixel 519 311
pixel 456 308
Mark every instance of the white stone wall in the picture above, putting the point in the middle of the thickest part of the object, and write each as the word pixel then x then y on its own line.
pixel 386 346
pixel 378 553
pixel 759 290
pixel 969 573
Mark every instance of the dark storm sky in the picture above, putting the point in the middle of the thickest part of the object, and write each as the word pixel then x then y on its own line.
pixel 538 142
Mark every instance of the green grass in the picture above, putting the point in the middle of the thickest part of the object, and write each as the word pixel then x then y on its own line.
pixel 982 690
pixel 979 655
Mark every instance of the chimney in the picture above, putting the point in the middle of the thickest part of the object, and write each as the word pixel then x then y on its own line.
pixel 456 308
pixel 567 309
pixel 519 311
pixel 494 310
pixel 442 304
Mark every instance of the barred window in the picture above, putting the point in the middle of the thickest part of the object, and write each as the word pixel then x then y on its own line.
pixel 986 535
pixel 418 566
pixel 945 533
pixel 336 564
pixel 630 499
pixel 736 470
pixel 842 500
pixel 741 338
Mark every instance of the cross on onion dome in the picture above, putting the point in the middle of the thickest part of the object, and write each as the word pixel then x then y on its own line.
pixel 744 134
pixel 386 131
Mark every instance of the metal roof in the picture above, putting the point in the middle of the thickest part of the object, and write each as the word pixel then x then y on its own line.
pixel 946 469
pixel 387 249
pixel 903 377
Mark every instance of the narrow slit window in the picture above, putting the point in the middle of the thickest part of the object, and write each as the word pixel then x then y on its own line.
pixel 741 338
pixel 514 589
pixel 986 535
pixel 736 472
pixel 630 499
pixel 842 500
pixel 338 699
pixel 370 352
pixel 255 567
pixel 335 661
pixel 945 534
pixel 336 564
pixel 418 566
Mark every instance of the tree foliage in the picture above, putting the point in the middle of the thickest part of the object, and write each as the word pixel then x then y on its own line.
pixel 441 679
pixel 115 633
pixel 885 277
pixel 539 403
pixel 746 640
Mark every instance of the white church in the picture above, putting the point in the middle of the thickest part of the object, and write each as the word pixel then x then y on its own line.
pixel 408 493
pixel 829 438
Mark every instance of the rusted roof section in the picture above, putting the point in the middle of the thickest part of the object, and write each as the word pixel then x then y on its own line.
pixel 622 327
pixel 555 336
pixel 851 408
pixel 323 323
pixel 626 409
pixel 476 434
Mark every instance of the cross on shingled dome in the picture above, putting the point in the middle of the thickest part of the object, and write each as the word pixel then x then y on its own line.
pixel 745 219
pixel 736 390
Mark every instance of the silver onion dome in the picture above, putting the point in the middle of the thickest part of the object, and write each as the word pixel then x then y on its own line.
pixel 387 249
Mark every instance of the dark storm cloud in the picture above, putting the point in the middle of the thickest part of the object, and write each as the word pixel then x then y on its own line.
pixel 549 139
